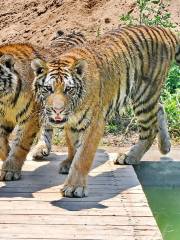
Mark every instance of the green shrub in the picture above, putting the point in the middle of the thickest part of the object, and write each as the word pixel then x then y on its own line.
pixel 149 12
pixel 173 80
pixel 171 102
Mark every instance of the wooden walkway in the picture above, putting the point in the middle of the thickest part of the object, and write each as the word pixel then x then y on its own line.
pixel 116 208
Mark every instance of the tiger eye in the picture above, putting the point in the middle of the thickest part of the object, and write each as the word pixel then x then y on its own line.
pixel 39 71
pixel 49 88
pixel 79 70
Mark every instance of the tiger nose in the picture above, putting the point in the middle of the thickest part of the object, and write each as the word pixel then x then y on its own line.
pixel 58 110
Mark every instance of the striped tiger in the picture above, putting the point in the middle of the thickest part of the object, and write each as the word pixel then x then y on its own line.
pixel 18 106
pixel 60 43
pixel 88 84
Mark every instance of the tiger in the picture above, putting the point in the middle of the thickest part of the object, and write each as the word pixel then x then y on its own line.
pixel 88 84
pixel 60 43
pixel 18 108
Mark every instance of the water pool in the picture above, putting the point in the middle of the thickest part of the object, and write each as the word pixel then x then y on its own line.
pixel 161 184
pixel 165 205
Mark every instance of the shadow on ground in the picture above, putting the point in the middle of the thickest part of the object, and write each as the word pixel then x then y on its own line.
pixel 101 187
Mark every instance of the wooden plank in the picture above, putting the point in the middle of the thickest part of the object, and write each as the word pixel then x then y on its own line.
pixel 78 237
pixel 94 212
pixel 135 211
pixel 55 197
pixel 73 220
pixel 106 199
pixel 50 230
pixel 55 189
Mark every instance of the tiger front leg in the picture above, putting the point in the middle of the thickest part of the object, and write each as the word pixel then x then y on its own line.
pixel 72 140
pixel 5 130
pixel 11 168
pixel 43 146
pixel 76 182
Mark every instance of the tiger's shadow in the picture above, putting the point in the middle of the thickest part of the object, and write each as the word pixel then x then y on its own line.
pixel 102 185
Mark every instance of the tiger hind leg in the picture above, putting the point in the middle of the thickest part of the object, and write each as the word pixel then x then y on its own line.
pixel 164 143
pixel 43 146
pixel 147 121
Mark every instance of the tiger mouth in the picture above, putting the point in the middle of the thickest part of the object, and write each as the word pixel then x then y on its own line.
pixel 58 121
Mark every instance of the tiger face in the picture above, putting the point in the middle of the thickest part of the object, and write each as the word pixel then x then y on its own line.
pixel 59 88
pixel 8 75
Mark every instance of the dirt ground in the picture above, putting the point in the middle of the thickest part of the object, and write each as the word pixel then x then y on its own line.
pixel 37 21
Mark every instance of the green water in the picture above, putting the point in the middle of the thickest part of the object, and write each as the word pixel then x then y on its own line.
pixel 165 205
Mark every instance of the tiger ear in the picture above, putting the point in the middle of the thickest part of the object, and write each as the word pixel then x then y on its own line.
pixel 8 61
pixel 38 66
pixel 79 67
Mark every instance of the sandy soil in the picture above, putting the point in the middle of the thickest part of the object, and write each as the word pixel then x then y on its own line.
pixel 37 21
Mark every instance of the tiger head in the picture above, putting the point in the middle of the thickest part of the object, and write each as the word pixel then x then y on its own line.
pixel 59 87
pixel 8 75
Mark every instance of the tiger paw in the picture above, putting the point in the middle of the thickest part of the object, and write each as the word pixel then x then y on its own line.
pixel 125 159
pixel 74 191
pixel 164 145
pixel 65 166
pixel 39 151
pixel 75 185
pixel 9 171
